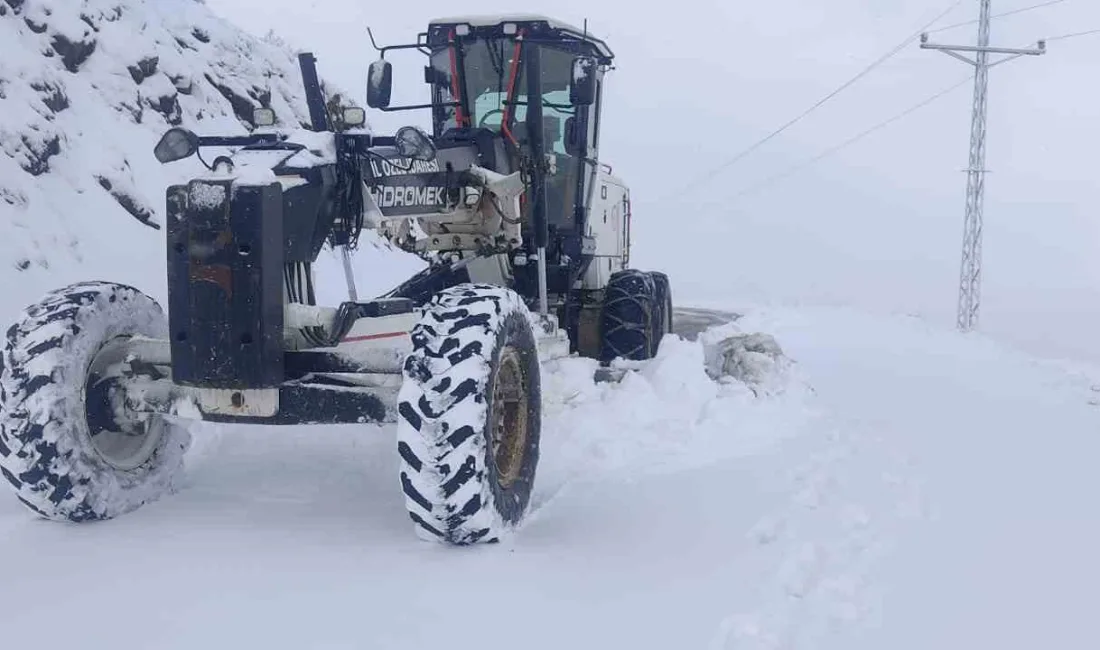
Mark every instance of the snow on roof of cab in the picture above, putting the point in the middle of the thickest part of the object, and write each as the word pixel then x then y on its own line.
pixel 490 20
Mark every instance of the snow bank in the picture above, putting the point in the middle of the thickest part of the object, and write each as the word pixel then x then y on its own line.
pixel 667 416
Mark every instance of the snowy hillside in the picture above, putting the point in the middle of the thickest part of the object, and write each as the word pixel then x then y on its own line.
pixel 86 89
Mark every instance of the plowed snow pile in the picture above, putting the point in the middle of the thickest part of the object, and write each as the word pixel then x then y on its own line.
pixel 893 487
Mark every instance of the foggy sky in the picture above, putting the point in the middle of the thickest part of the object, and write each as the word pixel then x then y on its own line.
pixel 878 226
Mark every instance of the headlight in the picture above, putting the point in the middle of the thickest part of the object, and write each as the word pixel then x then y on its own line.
pixel 354 117
pixel 263 117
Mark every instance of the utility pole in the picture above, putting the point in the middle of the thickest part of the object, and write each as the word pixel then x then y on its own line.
pixel 970 280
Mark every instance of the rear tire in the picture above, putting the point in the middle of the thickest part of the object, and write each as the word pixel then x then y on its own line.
pixel 469 416
pixel 627 323
pixel 662 291
pixel 64 464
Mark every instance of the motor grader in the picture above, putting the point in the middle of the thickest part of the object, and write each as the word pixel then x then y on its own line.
pixel 526 234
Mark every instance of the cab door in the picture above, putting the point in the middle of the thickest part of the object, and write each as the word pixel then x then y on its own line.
pixel 563 168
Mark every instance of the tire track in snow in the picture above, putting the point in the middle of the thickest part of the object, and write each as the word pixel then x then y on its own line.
pixel 825 543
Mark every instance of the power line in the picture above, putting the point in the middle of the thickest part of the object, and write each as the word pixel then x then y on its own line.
pixel 1000 15
pixel 831 151
pixel 866 71
pixel 1074 35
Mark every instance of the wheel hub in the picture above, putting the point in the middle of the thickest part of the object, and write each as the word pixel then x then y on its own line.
pixel 509 426
pixel 123 438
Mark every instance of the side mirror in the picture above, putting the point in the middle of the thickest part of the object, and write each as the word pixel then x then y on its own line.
pixel 413 143
pixel 176 144
pixel 379 84
pixel 582 85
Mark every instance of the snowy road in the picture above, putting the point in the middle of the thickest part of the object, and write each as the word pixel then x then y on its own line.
pixel 929 491
pixel 690 323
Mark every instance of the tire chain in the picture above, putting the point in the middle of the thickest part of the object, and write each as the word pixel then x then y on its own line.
pixel 627 288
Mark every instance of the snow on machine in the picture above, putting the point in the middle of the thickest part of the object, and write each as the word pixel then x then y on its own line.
pixel 527 233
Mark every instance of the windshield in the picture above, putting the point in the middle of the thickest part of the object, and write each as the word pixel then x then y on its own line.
pixel 490 68
pixel 444 86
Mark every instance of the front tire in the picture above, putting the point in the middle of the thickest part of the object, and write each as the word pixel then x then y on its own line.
pixel 62 447
pixel 469 416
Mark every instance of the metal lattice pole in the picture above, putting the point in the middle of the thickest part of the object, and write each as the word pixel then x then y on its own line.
pixel 970 277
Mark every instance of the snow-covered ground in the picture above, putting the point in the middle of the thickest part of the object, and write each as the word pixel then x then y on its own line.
pixel 898 487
